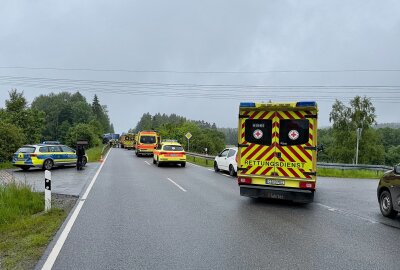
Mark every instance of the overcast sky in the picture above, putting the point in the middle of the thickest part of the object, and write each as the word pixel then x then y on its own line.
pixel 211 54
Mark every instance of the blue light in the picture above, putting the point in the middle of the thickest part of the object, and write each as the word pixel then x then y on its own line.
pixel 306 104
pixel 247 104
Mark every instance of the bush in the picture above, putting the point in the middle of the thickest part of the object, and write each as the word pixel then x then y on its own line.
pixel 83 132
pixel 11 138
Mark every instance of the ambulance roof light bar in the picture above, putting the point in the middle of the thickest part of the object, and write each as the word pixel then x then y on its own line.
pixel 306 104
pixel 247 104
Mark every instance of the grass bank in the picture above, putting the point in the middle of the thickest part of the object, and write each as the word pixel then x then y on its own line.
pixel 95 153
pixel 324 172
pixel 25 230
pixel 6 165
pixel 200 161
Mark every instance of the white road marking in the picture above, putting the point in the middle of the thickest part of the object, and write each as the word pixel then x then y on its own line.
pixel 173 182
pixel 346 213
pixel 147 163
pixel 226 175
pixel 211 170
pixel 195 165
pixel 48 265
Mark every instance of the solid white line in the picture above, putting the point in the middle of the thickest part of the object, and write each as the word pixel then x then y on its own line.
pixel 172 181
pixel 147 163
pixel 211 170
pixel 48 265
pixel 226 175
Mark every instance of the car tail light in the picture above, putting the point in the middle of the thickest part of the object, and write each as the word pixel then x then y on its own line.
pixel 307 185
pixel 244 180
pixel 236 158
pixel 33 155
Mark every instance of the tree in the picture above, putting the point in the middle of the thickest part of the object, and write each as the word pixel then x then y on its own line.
pixel 11 138
pixel 82 132
pixel 346 120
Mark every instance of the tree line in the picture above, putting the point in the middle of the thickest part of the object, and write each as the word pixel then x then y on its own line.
pixel 377 145
pixel 65 117
pixel 204 134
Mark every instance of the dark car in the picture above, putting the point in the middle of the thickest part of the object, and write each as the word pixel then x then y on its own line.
pixel 389 192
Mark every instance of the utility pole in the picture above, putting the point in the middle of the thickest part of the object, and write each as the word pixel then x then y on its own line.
pixel 358 132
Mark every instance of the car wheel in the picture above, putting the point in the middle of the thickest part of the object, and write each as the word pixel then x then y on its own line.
pixel 183 164
pixel 84 161
pixel 231 170
pixel 216 169
pixel 386 204
pixel 137 154
pixel 154 161
pixel 48 164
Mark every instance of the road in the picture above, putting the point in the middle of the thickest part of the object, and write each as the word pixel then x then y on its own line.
pixel 138 216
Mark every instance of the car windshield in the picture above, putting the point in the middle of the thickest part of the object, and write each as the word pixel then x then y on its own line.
pixel 148 139
pixel 26 149
pixel 173 148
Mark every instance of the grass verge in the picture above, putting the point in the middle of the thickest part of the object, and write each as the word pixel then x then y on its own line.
pixel 200 161
pixel 95 153
pixel 6 165
pixel 323 172
pixel 25 230
pixel 326 172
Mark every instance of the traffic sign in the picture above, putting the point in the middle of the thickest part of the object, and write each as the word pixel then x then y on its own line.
pixel 188 135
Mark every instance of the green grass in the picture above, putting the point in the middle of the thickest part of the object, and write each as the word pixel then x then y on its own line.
pixel 95 153
pixel 200 161
pixel 25 230
pixel 326 172
pixel 6 165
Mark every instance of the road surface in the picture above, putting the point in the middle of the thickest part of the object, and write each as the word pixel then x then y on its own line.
pixel 139 216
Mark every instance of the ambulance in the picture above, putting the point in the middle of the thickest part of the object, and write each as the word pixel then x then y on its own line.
pixel 277 150
pixel 128 141
pixel 146 142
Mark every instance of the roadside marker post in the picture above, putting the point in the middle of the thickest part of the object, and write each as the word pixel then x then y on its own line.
pixel 47 190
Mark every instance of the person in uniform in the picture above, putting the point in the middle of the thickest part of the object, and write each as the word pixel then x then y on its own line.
pixel 80 153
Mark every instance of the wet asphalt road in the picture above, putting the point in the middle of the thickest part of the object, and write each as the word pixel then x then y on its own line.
pixel 65 180
pixel 135 218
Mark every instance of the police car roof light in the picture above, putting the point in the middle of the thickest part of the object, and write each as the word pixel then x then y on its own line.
pixel 306 104
pixel 247 104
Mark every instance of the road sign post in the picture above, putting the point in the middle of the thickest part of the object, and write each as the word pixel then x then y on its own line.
pixel 47 190
pixel 188 136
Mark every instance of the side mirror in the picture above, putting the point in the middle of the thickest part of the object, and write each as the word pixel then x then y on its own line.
pixel 320 147
pixel 397 169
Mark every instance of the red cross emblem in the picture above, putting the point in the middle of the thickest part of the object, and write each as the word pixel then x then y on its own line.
pixel 258 134
pixel 293 135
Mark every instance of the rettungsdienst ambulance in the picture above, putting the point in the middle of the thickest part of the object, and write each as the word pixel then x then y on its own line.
pixel 277 155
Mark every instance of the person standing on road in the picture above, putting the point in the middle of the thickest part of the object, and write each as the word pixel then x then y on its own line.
pixel 80 152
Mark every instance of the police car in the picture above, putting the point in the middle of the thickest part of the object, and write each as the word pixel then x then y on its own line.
pixel 169 151
pixel 45 156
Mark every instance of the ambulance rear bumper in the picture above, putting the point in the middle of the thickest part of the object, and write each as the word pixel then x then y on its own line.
pixel 296 195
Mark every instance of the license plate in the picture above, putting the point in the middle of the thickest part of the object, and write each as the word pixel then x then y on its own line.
pixel 173 155
pixel 275 182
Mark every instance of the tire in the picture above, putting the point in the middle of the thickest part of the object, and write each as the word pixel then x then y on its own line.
pixel 386 204
pixel 84 161
pixel 48 164
pixel 154 161
pixel 183 164
pixel 137 154
pixel 216 169
pixel 232 170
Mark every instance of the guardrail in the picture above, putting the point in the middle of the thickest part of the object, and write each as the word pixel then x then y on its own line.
pixel 339 166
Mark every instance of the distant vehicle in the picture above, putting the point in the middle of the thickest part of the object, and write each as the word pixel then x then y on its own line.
pixel 227 161
pixel 110 136
pixel 169 152
pixel 146 142
pixel 277 156
pixel 389 193
pixel 128 141
pixel 45 156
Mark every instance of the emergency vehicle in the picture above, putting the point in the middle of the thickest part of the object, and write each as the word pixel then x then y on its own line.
pixel 169 152
pixel 128 141
pixel 277 156
pixel 146 142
